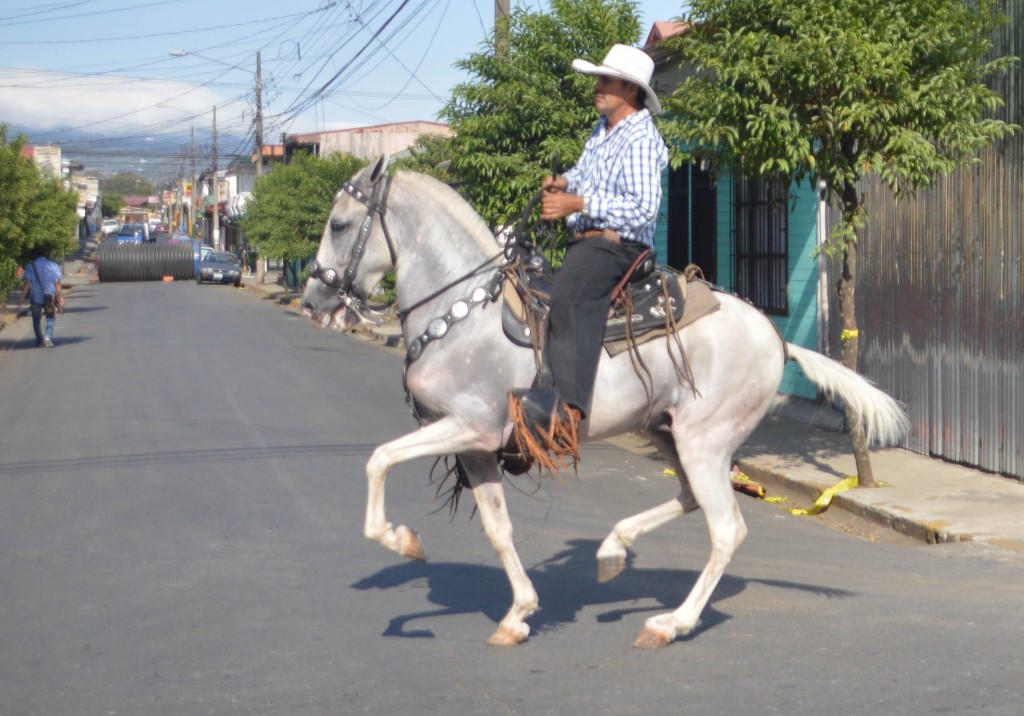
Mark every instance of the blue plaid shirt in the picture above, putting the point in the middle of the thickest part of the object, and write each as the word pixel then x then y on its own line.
pixel 619 177
pixel 42 273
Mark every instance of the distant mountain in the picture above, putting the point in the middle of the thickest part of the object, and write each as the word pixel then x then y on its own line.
pixel 155 157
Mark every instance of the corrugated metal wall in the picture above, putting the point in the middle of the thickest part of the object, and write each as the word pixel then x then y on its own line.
pixel 940 297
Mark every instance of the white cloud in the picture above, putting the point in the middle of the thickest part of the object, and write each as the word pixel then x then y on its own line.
pixel 112 105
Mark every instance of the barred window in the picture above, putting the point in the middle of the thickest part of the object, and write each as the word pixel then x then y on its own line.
pixel 762 242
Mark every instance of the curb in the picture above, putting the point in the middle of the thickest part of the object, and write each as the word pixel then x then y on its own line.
pixel 915 529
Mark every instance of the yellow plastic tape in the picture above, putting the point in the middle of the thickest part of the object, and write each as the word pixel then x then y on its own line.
pixel 847 335
pixel 825 498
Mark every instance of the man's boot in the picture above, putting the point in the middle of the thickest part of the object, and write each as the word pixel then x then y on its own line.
pixel 545 429
pixel 541 408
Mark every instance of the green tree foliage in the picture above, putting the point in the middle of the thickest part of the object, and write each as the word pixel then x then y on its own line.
pixel 431 154
pixel 834 89
pixel 111 204
pixel 35 211
pixel 127 184
pixel 831 90
pixel 289 206
pixel 526 104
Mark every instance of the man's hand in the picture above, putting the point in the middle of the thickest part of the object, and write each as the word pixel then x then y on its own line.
pixel 557 204
pixel 554 184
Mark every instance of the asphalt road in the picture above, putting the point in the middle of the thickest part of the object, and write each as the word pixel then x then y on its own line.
pixel 181 506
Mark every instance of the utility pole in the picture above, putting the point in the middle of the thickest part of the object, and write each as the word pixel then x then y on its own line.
pixel 192 195
pixel 261 263
pixel 501 13
pixel 259 117
pixel 215 231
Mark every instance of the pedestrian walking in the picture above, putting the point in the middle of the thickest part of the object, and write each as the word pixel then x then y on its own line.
pixel 42 286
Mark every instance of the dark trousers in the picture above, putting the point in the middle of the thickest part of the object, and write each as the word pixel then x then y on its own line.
pixel 37 319
pixel 579 310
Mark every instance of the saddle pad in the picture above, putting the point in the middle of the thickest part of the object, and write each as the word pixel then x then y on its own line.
pixel 700 301
pixel 648 314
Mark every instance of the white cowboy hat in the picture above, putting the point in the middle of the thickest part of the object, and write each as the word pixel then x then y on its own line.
pixel 626 63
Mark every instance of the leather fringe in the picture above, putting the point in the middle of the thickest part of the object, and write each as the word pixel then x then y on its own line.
pixel 551 451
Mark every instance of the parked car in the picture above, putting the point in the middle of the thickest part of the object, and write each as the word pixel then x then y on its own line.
pixel 109 227
pixel 220 267
pixel 131 234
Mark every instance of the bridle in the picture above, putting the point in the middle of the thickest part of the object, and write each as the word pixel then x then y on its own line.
pixel 355 300
pixel 376 203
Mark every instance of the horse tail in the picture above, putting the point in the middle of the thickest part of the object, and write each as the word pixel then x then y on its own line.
pixel 883 418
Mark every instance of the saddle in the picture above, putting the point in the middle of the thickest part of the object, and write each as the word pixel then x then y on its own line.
pixel 650 302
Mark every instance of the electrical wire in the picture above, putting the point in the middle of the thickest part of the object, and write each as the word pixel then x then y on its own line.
pixel 87 14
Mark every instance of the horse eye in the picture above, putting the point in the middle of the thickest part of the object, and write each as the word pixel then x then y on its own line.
pixel 338 227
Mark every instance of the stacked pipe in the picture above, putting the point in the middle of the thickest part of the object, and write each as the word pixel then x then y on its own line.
pixel 145 262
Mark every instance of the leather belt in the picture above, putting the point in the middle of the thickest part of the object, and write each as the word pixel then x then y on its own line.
pixel 599 234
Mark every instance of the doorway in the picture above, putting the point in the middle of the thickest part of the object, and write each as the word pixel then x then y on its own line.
pixel 692 210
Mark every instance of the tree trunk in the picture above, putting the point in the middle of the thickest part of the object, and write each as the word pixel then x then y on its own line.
pixel 850 336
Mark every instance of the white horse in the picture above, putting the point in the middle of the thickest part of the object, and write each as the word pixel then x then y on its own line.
pixel 460 368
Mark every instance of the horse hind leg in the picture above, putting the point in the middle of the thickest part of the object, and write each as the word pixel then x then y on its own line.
pixel 709 479
pixel 612 554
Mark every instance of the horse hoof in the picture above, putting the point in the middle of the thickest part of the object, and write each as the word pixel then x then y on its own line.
pixel 608 568
pixel 651 638
pixel 409 544
pixel 503 636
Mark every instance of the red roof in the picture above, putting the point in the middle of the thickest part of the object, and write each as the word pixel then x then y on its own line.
pixel 664 29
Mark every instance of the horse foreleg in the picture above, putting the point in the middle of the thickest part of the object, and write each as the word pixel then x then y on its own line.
pixel 611 555
pixel 490 501
pixel 709 480
pixel 446 436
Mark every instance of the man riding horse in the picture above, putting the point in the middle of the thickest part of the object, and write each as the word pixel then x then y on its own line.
pixel 611 199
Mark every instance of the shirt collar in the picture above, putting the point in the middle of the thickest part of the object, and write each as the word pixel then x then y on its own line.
pixel 602 122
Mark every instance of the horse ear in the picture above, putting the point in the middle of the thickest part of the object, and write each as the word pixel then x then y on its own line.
pixel 380 168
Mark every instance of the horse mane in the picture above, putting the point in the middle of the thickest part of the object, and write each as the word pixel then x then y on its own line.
pixel 456 207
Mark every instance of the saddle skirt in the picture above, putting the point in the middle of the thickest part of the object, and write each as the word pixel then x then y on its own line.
pixel 652 303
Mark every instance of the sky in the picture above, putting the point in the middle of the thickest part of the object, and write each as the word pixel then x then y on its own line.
pixel 149 71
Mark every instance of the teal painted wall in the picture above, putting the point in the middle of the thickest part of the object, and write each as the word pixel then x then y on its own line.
pixel 661 231
pixel 801 325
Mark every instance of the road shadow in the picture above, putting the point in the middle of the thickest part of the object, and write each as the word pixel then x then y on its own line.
pixel 566 584
pixel 798 443
pixel 83 309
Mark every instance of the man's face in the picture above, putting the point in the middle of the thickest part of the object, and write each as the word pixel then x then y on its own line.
pixel 612 95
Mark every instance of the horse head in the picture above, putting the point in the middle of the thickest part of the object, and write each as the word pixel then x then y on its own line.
pixel 350 263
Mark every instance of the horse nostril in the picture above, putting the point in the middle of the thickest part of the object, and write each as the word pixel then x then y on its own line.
pixel 307 307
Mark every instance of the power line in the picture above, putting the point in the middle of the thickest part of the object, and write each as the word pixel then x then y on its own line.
pixel 43 10
pixel 305 104
pixel 191 31
pixel 87 14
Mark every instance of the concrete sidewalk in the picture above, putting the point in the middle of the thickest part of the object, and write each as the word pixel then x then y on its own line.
pixel 924 498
